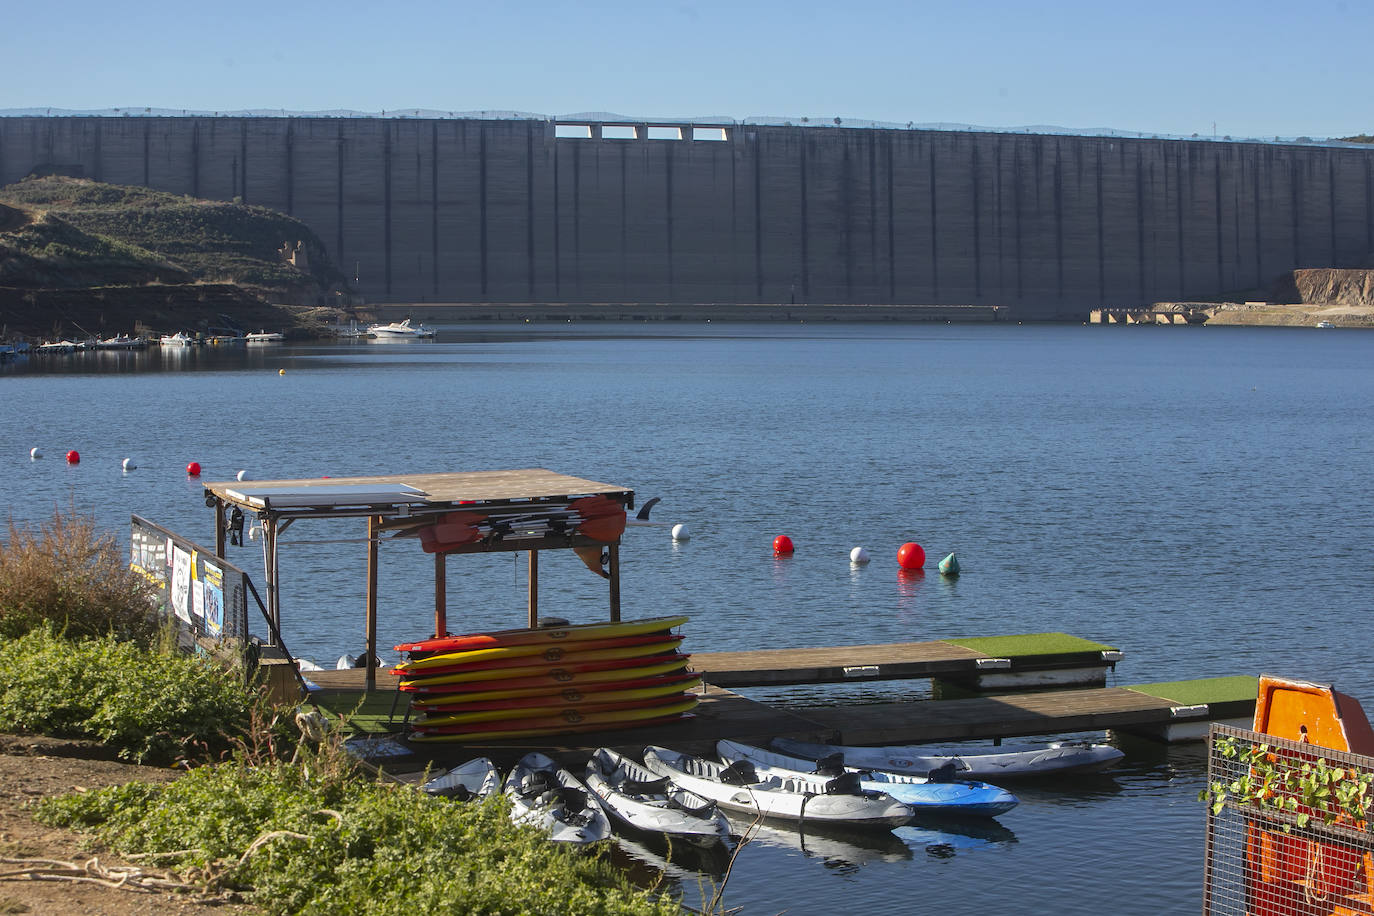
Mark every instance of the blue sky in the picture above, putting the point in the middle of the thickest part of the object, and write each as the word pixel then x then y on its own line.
pixel 1258 69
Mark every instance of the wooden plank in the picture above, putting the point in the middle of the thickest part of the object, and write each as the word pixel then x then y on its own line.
pixel 834 664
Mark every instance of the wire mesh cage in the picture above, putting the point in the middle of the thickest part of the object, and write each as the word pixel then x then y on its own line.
pixel 1288 831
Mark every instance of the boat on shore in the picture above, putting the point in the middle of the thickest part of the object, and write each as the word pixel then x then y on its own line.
pixel 1055 759
pixel 923 794
pixel 477 779
pixel 547 796
pixel 399 330
pixel 1325 324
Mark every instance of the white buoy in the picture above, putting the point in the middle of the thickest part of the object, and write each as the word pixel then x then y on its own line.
pixel 34 454
pixel 859 556
pixel 241 475
pixel 680 533
pixel 128 464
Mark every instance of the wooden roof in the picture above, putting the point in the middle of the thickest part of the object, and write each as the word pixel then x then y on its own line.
pixel 386 494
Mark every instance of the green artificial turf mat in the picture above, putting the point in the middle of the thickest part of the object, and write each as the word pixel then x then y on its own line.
pixel 365 712
pixel 1202 690
pixel 1028 644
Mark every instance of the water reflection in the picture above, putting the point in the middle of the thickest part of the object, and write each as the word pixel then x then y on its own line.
pixel 844 851
pixel 943 839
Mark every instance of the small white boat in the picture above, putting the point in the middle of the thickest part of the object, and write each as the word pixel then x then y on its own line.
pixel 122 342
pixel 266 337
pixel 924 795
pixel 57 346
pixel 1054 759
pixel 175 340
pixel 475 779
pixel 547 796
pixel 806 799
pixel 637 798
pixel 399 329
pixel 1325 324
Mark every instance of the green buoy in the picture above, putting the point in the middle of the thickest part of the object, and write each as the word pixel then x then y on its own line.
pixel 949 566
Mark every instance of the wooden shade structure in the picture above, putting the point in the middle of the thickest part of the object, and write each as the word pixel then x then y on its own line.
pixel 531 510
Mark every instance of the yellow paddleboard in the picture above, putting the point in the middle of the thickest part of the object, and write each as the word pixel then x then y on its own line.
pixel 570 722
pixel 546 706
pixel 569 662
pixel 548 685
pixel 490 657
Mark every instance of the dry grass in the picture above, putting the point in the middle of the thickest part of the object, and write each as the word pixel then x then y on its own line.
pixel 71 575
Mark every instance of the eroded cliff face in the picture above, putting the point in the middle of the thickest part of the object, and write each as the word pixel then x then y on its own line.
pixel 1334 286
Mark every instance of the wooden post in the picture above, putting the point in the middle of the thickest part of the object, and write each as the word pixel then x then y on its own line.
pixel 534 589
pixel 220 527
pixel 614 552
pixel 440 594
pixel 373 529
pixel 269 537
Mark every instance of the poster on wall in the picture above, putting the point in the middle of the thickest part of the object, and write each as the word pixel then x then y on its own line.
pixel 181 583
pixel 213 588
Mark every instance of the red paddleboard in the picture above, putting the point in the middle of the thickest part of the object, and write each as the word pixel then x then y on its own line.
pixel 568 720
pixel 590 682
pixel 542 635
pixel 615 692
pixel 514 678
pixel 514 656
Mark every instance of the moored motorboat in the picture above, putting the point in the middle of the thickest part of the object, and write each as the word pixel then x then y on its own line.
pixel 399 330
pixel 547 796
pixel 923 794
pixel 122 342
pixel 808 799
pixel 1055 759
pixel 637 798
pixel 266 337
pixel 477 778
pixel 178 339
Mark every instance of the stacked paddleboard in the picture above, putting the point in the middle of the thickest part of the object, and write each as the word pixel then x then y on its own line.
pixel 546 681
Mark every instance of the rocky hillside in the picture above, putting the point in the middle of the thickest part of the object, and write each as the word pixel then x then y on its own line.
pixel 1331 286
pixel 72 249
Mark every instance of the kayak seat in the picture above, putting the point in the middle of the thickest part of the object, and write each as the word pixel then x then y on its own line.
pixel 739 773
pixel 845 784
pixel 830 765
pixel 648 787
pixel 681 801
pixel 943 773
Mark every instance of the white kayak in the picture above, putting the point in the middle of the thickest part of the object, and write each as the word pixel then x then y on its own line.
pixel 635 797
pixel 547 796
pixel 924 795
pixel 475 779
pixel 808 799
pixel 1053 760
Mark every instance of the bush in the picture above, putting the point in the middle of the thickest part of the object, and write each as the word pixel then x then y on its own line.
pixel 149 705
pixel 291 840
pixel 75 579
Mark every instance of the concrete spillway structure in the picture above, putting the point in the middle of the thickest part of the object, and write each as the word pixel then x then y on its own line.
pixel 512 211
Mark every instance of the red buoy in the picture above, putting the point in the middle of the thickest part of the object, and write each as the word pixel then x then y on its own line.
pixel 911 556
pixel 782 544
pixel 193 469
pixel 73 457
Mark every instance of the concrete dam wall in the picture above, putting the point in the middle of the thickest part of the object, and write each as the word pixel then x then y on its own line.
pixel 506 211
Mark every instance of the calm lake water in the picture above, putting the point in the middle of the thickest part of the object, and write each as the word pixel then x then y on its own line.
pixel 1196 496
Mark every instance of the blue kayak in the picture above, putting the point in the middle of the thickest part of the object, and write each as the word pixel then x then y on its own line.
pixel 925 796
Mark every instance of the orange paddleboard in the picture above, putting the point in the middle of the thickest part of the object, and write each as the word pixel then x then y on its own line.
pixel 587 682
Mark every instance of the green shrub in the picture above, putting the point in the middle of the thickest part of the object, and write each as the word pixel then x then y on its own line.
pixel 148 704
pixel 70 576
pixel 292 841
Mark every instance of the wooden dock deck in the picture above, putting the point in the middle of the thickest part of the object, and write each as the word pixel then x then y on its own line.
pixel 963 660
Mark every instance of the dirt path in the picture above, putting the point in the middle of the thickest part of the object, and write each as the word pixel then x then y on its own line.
pixel 32 768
